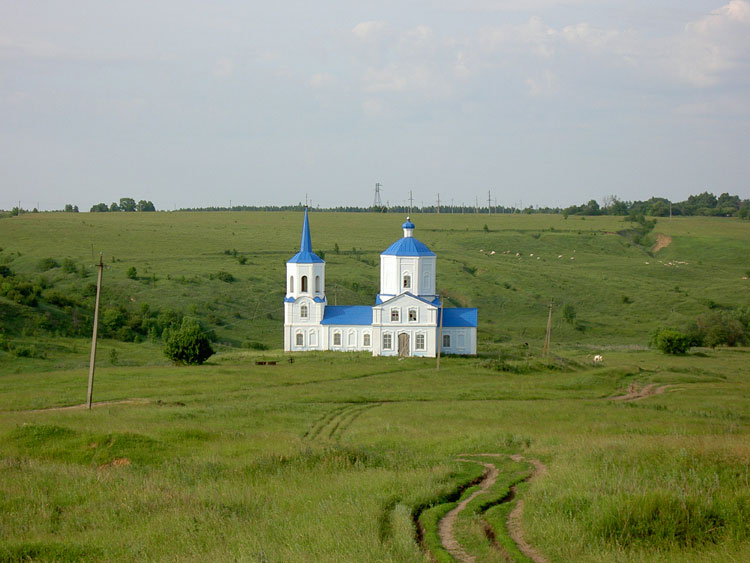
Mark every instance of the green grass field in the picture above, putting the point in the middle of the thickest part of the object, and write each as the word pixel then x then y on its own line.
pixel 335 456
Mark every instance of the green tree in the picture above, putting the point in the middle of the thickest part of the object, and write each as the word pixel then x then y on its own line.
pixel 188 345
pixel 144 205
pixel 99 207
pixel 114 207
pixel 127 204
pixel 672 342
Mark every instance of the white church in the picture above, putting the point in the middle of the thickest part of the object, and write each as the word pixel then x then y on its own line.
pixel 406 320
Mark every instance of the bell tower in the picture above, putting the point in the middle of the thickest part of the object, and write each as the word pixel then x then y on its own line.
pixel 407 266
pixel 305 300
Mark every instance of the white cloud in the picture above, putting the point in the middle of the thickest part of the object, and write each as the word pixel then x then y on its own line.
pixel 369 30
pixel 714 44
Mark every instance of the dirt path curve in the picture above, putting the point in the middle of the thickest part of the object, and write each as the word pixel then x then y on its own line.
pixel 635 393
pixel 99 404
pixel 447 523
pixel 515 525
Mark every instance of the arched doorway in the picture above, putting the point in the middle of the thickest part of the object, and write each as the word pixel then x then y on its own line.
pixel 403 345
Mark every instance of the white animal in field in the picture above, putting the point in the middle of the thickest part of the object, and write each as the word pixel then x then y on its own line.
pixel 598 359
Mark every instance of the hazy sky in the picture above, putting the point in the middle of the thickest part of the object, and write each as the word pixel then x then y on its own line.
pixel 545 102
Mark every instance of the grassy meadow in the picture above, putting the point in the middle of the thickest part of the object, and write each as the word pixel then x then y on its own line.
pixel 344 457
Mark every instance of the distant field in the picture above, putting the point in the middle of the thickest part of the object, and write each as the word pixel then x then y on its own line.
pixel 337 457
pixel 619 290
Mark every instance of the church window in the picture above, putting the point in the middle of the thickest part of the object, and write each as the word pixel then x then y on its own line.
pixel 394 315
pixel 351 338
pixel 366 340
pixel 407 281
pixel 303 313
pixel 317 284
pixel 461 342
pixel 387 341
pixel 337 339
pixel 419 342
pixel 426 282
pixel 291 284
pixel 412 315
pixel 312 338
pixel 446 341
pixel 303 289
pixel 300 339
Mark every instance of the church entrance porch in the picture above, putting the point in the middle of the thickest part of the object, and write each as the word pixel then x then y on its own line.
pixel 403 345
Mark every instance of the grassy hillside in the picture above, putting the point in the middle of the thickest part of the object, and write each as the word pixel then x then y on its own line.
pixel 331 457
pixel 620 290
pixel 337 457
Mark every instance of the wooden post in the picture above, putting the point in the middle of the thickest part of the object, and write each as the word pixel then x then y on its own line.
pixel 92 360
pixel 548 337
pixel 440 333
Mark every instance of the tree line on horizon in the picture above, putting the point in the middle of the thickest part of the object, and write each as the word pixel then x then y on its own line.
pixel 705 204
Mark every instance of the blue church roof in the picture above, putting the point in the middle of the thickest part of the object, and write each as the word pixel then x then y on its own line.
pixel 456 317
pixel 408 246
pixel 305 254
pixel 347 315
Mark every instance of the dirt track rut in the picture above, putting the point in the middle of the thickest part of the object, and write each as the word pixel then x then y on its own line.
pixel 446 526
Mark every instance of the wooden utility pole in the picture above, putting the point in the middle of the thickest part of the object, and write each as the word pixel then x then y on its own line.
pixel 440 334
pixel 92 361
pixel 547 338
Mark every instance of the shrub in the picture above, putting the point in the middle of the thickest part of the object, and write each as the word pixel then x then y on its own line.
pixel 5 272
pixel 132 273
pixel 68 266
pixel 188 345
pixel 671 341
pixel 225 276
pixel 47 264
pixel 716 328
pixel 569 313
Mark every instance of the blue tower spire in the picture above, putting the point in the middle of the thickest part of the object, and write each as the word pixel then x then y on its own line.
pixel 305 254
pixel 305 244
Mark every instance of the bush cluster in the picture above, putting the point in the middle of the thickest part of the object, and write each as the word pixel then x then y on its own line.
pixel 721 328
pixel 188 345
pixel 671 341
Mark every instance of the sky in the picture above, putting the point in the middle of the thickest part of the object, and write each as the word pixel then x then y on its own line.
pixel 189 103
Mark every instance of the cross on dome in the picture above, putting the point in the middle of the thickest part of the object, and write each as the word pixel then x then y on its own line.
pixel 408 227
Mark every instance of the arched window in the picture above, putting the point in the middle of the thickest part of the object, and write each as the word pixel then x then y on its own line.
pixel 317 284
pixel 446 341
pixel 351 338
pixel 407 281
pixel 300 339
pixel 337 339
pixel 291 284
pixel 303 285
pixel 366 340
pixel 303 312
